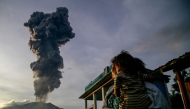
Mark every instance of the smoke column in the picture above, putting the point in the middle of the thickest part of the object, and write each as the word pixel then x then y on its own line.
pixel 48 32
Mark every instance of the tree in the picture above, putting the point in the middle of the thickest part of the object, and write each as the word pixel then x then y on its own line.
pixel 175 95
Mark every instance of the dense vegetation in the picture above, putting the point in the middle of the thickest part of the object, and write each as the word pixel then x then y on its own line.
pixel 175 95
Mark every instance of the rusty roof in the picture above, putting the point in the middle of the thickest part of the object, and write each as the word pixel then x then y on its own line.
pixel 179 63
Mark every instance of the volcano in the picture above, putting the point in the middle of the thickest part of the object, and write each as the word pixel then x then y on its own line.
pixel 34 105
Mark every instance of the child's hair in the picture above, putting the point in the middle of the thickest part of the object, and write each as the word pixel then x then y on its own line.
pixel 125 62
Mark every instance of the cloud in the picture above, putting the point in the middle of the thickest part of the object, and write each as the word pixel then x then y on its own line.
pixel 172 37
pixel 69 68
pixel 14 103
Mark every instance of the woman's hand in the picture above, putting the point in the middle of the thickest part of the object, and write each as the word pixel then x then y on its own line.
pixel 113 74
pixel 113 71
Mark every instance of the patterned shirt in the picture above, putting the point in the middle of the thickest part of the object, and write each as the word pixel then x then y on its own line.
pixel 132 91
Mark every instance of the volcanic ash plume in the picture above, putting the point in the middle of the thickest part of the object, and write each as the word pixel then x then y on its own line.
pixel 48 32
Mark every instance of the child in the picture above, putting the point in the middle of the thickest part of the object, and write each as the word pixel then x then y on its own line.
pixel 128 82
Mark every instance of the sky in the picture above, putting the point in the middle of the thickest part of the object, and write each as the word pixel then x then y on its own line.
pixel 154 31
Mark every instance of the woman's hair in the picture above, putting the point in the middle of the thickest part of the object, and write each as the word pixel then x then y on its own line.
pixel 128 63
pixel 140 65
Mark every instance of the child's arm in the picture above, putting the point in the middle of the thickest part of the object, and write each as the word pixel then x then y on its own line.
pixel 149 78
pixel 158 76
pixel 152 77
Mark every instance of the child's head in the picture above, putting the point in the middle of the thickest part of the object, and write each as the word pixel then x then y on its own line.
pixel 124 62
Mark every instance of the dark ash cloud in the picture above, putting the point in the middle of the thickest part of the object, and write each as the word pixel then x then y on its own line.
pixel 48 32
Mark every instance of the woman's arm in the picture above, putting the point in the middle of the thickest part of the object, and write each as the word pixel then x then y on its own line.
pixel 117 86
pixel 117 92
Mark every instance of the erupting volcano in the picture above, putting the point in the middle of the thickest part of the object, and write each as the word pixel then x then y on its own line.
pixel 48 32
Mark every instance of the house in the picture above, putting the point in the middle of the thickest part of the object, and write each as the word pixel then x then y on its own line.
pixel 97 88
